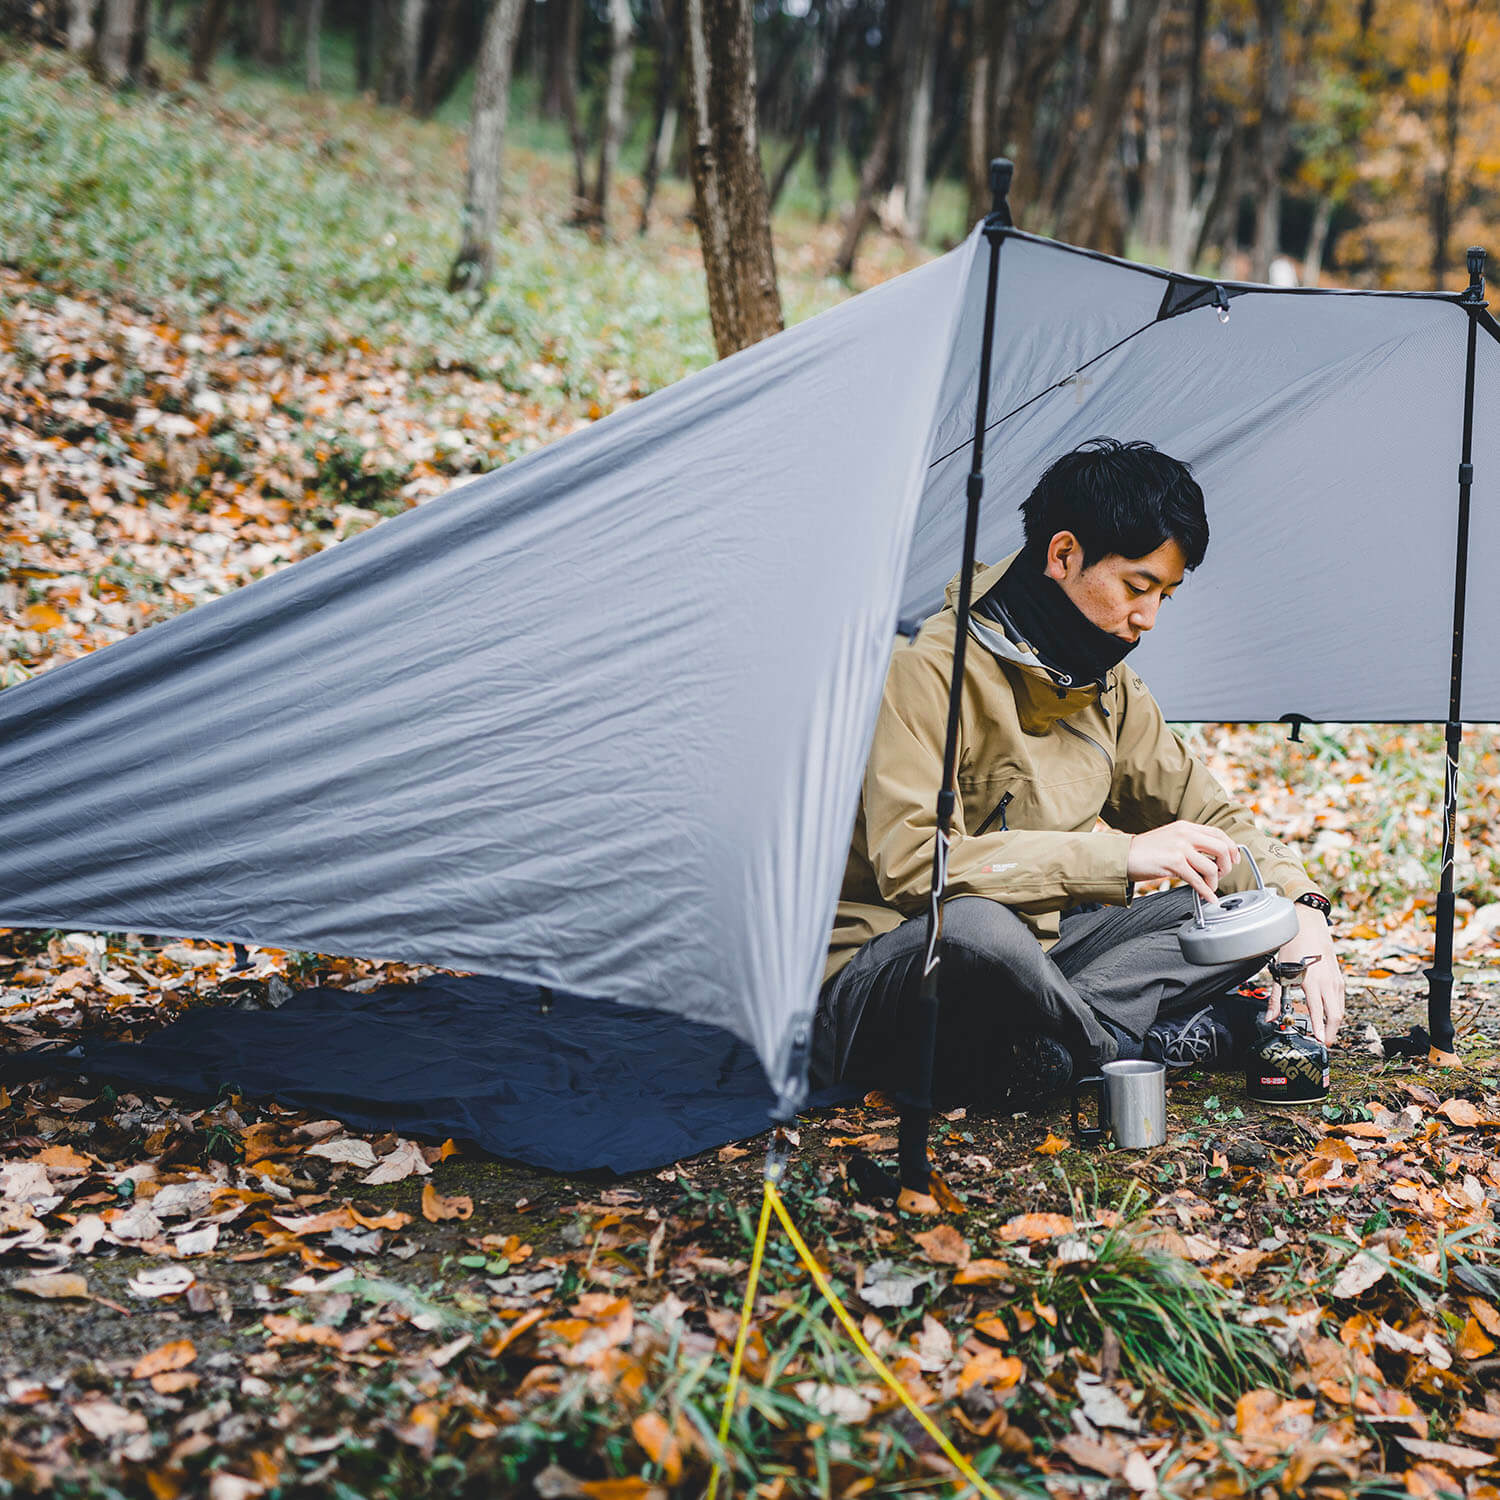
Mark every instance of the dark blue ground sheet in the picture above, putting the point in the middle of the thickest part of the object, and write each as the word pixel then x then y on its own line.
pixel 590 1084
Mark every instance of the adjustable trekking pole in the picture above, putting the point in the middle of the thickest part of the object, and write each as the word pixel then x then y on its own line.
pixel 916 1107
pixel 1440 975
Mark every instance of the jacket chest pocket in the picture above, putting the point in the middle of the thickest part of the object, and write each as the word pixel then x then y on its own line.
pixel 995 804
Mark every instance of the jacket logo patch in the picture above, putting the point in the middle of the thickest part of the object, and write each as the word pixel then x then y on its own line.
pixel 999 869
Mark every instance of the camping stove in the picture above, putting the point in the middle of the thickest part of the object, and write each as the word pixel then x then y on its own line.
pixel 1286 1063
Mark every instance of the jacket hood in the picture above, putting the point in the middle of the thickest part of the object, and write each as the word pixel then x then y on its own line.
pixel 1042 697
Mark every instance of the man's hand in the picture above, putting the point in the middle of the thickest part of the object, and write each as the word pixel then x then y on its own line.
pixel 1192 852
pixel 1323 984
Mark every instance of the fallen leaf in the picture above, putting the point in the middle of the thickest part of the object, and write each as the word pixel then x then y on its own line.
pixel 885 1286
pixel 198 1241
pixel 983 1273
pixel 65 1161
pixel 349 1151
pixel 177 1355
pixel 732 1153
pixel 163 1281
pixel 398 1165
pixel 1460 1112
pixel 992 1369
pixel 52 1285
pixel 1052 1145
pixel 1103 1405
pixel 1358 1274
pixel 650 1430
pixel 1091 1455
pixel 1036 1227
pixel 1447 1453
pixel 1479 1424
pixel 104 1420
pixel 1474 1342
pixel 436 1208
pixel 945 1245
pixel 171 1381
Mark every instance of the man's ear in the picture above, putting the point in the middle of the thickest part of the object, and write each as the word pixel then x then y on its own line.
pixel 1061 552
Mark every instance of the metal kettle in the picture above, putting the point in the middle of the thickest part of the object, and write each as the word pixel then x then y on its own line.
pixel 1248 924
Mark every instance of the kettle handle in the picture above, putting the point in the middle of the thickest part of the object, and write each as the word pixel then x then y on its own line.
pixel 1260 885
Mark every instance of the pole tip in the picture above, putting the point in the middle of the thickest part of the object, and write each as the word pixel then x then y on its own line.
pixel 1476 262
pixel 1001 172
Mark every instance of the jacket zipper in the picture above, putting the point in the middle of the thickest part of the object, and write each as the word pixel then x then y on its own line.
pixel 1088 740
pixel 997 812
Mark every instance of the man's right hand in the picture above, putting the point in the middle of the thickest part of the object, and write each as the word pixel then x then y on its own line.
pixel 1186 851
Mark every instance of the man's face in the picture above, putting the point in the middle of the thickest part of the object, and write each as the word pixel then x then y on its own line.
pixel 1120 595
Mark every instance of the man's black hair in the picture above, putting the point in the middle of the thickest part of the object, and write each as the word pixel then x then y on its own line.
pixel 1125 498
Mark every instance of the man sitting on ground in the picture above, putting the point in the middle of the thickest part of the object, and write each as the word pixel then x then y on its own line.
pixel 1048 959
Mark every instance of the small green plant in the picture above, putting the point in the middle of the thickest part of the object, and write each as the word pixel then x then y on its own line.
pixel 1179 1334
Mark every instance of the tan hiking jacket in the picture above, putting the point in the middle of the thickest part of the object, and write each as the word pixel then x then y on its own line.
pixel 1040 763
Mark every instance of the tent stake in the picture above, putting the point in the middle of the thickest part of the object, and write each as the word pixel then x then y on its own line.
pixel 916 1103
pixel 1440 975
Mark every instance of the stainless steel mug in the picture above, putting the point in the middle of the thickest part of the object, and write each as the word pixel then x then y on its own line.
pixel 1132 1104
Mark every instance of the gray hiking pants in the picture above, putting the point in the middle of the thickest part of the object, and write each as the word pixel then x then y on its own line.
pixel 1113 971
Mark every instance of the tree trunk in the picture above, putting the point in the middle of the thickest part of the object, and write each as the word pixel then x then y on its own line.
pixel 1317 241
pixel 81 26
pixel 268 33
pixel 612 125
pixel 1152 216
pixel 1455 46
pixel 475 262
pixel 408 60
pixel 116 35
pixel 664 119
pixel 1088 182
pixel 875 173
pixel 830 133
pixel 442 69
pixel 312 44
pixel 564 63
pixel 208 28
pixel 366 45
pixel 820 105
pixel 1275 123
pixel 923 19
pixel 733 210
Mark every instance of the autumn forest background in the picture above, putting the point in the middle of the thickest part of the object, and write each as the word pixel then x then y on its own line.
pixel 273 271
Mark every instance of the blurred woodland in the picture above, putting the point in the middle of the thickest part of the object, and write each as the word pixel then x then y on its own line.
pixel 1348 140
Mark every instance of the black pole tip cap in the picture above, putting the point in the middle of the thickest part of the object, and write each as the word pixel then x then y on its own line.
pixel 1002 169
pixel 1476 261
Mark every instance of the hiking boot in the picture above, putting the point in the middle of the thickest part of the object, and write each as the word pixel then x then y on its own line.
pixel 1200 1040
pixel 1028 1069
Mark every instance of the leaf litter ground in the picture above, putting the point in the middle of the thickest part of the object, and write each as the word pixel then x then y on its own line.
pixel 220 1297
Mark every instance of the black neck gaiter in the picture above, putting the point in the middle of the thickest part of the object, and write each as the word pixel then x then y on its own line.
pixel 1032 608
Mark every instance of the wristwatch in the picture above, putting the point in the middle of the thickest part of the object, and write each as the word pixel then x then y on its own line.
pixel 1318 903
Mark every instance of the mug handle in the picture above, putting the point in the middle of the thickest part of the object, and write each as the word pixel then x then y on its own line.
pixel 1089 1135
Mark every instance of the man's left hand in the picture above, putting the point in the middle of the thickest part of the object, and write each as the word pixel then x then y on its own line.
pixel 1323 983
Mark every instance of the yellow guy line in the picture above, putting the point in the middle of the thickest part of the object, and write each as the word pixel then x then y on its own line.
pixel 773 1200
pixel 744 1335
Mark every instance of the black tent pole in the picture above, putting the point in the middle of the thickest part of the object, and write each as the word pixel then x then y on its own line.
pixel 1440 975
pixel 916 1103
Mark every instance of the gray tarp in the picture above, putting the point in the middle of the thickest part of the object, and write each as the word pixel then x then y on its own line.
pixel 597 720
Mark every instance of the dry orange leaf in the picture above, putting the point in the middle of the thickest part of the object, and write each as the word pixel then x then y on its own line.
pixel 1036 1227
pixel 65 1159
pixel 992 1326
pixel 43 617
pixel 436 1208
pixel 993 1369
pixel 171 1381
pixel 1479 1424
pixel 52 1285
pixel 1474 1342
pixel 392 1219
pixel 945 1245
pixel 621 1489
pixel 508 1335
pixel 1487 1313
pixel 174 1356
pixel 1052 1145
pixel 732 1153
pixel 1460 1112
pixel 660 1446
pixel 449 1148
pixel 982 1273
